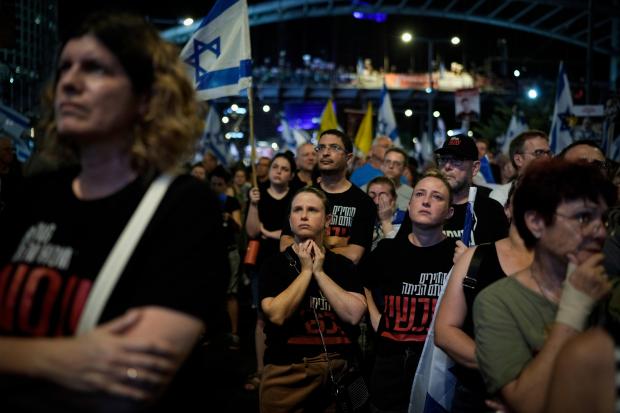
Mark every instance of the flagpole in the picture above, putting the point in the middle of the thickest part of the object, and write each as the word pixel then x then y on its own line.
pixel 252 140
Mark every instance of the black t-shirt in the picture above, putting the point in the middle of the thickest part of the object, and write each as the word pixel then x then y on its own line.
pixel 353 218
pixel 299 337
pixel 229 204
pixel 273 214
pixel 54 244
pixel 406 291
pixel 490 222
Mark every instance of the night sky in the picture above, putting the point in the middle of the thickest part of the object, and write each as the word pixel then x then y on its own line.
pixel 344 39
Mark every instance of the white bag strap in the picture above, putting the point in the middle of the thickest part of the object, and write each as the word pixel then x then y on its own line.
pixel 122 250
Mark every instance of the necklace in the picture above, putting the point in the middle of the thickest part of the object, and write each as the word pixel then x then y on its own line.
pixel 542 291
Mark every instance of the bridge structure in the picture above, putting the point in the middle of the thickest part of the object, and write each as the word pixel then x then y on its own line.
pixel 592 25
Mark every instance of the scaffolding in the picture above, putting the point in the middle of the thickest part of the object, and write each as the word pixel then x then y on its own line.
pixel 28 41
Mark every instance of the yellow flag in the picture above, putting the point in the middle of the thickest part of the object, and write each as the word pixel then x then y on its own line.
pixel 328 118
pixel 363 138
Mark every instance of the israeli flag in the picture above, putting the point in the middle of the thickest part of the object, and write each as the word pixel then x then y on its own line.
pixel 386 122
pixel 293 137
pixel 560 135
pixel 516 126
pixel 213 140
pixel 218 54
pixel 434 383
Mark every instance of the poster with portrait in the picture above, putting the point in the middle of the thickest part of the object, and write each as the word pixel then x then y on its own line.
pixel 467 104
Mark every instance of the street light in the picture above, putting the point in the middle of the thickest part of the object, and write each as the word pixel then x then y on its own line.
pixel 406 37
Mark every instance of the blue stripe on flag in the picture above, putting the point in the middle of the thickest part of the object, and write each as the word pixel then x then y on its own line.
pixel 224 77
pixel 220 7
pixel 20 120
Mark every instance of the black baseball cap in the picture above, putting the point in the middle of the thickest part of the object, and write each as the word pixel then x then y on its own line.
pixel 461 147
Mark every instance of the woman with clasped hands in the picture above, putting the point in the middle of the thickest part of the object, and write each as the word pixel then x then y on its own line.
pixel 120 112
pixel 300 286
pixel 522 322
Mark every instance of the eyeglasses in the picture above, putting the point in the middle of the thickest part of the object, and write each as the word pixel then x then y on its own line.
pixel 329 148
pixel 443 161
pixel 589 222
pixel 539 153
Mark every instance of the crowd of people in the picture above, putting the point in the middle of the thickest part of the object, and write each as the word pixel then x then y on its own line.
pixel 345 261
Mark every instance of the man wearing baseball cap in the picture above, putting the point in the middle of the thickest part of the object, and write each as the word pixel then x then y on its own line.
pixel 458 162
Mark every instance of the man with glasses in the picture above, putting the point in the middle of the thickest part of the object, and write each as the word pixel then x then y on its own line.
pixel 458 162
pixel 352 211
pixel 393 167
pixel 524 148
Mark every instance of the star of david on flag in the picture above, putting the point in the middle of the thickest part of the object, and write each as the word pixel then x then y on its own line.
pixel 560 135
pixel 218 55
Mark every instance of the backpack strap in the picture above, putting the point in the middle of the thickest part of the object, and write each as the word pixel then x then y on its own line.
pixel 470 282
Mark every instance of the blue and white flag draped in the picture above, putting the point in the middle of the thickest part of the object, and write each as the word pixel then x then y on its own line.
pixel 212 139
pixel 218 55
pixel 560 136
pixel 433 384
pixel 386 121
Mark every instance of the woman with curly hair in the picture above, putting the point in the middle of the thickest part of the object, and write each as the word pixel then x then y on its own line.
pixel 121 112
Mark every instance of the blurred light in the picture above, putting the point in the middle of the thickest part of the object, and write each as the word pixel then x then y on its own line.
pixel 275 146
pixel 306 58
pixel 234 107
pixel 436 114
pixel 188 21
pixel 316 120
pixel 11 80
pixel 408 113
pixel 455 40
pixel 233 135
pixel 415 139
pixel 470 133
pixel 406 37
pixel 429 90
pixel 516 73
pixel 225 119
pixel 241 111
pixel 377 17
pixel 450 132
pixel 266 108
pixel 532 93
pixel 32 133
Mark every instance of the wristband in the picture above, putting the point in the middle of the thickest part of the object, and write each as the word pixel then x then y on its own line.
pixel 574 308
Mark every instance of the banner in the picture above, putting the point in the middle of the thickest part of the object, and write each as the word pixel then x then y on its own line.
pixel 218 55
pixel 467 104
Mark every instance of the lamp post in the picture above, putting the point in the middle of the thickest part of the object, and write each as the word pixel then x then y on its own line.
pixel 407 37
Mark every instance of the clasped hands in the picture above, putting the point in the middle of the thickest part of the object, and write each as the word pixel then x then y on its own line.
pixel 311 257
